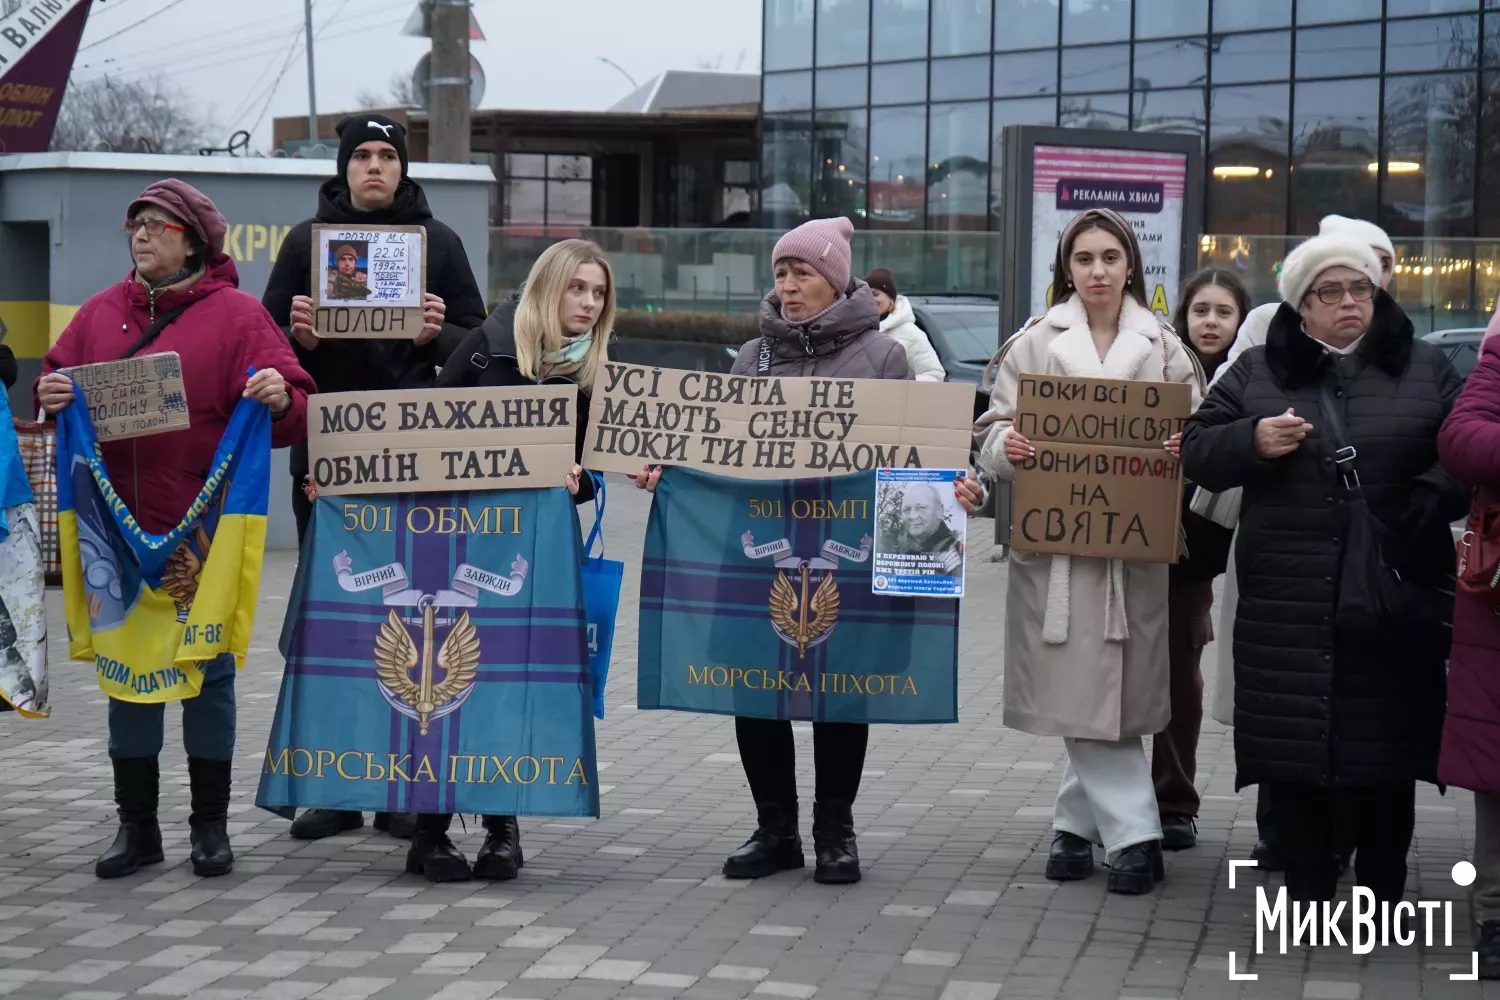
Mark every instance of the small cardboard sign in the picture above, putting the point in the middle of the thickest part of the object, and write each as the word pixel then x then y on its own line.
pixel 368 281
pixel 133 398
pixel 1100 484
pixel 751 427
pixel 452 440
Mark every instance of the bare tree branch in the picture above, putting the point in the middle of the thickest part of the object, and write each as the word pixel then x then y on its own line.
pixel 399 94
pixel 134 116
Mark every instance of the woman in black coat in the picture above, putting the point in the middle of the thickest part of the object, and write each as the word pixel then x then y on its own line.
pixel 1336 725
pixel 555 331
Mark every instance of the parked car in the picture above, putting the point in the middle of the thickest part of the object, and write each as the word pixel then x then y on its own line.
pixel 964 328
pixel 1461 346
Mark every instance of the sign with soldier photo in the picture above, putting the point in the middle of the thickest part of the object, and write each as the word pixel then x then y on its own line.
pixel 368 281
pixel 135 397
pixel 919 534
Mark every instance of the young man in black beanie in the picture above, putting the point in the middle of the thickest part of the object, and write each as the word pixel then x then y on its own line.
pixel 371 188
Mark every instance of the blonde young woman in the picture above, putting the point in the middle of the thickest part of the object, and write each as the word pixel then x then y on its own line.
pixel 1085 638
pixel 555 331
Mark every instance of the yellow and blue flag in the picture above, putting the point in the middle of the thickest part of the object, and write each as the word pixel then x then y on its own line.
pixel 150 610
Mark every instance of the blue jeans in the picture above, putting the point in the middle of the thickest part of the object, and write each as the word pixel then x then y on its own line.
pixel 208 720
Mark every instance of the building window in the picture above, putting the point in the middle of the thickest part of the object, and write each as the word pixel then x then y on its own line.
pixel 900 29
pixel 1086 21
pixel 737 190
pixel 1183 63
pixel 958 179
pixel 1168 111
pixel 843 32
pixel 1428 155
pixel 1335 146
pixel 1104 67
pixel 960 79
pixel 786 162
pixel 1023 74
pixel 1347 50
pixel 789 34
pixel 1401 8
pixel 1248 154
pixel 1489 158
pixel 548 189
pixel 1265 55
pixel 1021 111
pixel 786 91
pixel 843 88
pixel 898 83
pixel 1095 111
pixel 1434 43
pixel 1170 18
pixel 1240 15
pixel 840 155
pixel 960 27
pixel 1330 11
pixel 898 154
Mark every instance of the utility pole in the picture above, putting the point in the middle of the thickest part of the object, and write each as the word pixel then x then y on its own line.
pixel 448 84
pixel 312 80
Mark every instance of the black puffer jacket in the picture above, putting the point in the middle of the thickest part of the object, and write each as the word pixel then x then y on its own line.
pixel 1313 704
pixel 487 358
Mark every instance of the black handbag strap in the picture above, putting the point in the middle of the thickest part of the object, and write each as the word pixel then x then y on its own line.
pixel 154 330
pixel 1344 452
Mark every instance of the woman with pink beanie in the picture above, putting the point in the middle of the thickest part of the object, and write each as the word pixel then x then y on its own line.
pixel 820 321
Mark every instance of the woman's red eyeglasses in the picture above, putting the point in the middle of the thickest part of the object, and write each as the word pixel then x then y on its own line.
pixel 153 227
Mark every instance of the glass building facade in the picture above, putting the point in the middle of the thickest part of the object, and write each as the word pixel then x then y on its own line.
pixel 891 112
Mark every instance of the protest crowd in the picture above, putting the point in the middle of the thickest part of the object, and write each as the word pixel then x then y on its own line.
pixel 1320 455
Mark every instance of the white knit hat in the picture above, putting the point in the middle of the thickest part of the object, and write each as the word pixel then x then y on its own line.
pixel 1366 232
pixel 1303 265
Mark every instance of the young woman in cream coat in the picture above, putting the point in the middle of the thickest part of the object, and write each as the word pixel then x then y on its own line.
pixel 1086 638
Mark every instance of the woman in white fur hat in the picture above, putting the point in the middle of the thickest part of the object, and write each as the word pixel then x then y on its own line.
pixel 1335 722
pixel 1086 638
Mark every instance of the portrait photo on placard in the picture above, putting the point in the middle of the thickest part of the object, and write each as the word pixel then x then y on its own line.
pixel 919 533
pixel 348 272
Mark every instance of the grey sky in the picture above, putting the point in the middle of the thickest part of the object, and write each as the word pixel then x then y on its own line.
pixel 227 54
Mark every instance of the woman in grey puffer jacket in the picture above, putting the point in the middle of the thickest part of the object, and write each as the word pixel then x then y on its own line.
pixel 819 321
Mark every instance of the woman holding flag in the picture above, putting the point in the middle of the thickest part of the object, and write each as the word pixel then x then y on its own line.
pixel 181 296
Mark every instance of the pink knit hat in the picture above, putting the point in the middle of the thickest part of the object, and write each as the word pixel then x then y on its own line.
pixel 824 245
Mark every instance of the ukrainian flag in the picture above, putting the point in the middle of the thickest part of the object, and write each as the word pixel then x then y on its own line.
pixel 150 610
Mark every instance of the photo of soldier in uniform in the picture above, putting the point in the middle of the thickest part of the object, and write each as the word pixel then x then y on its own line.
pixel 348 271
pixel 919 533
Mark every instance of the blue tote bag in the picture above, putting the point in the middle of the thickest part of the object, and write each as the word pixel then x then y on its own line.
pixel 601 598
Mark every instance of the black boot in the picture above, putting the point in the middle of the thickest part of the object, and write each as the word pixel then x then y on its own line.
pixel 1070 858
pixel 433 855
pixel 1178 833
pixel 1267 856
pixel 139 840
pixel 834 849
pixel 1137 869
pixel 501 857
pixel 1489 950
pixel 315 824
pixel 209 821
pixel 398 825
pixel 774 846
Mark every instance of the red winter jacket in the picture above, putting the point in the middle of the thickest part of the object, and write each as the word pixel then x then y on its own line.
pixel 224 333
pixel 1470 448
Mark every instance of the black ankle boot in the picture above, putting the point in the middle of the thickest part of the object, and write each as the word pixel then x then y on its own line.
pixel 209 821
pixel 501 857
pixel 1489 949
pixel 1070 858
pixel 138 841
pixel 774 846
pixel 834 847
pixel 433 855
pixel 1137 869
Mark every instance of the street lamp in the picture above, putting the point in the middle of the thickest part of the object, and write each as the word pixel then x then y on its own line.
pixel 610 62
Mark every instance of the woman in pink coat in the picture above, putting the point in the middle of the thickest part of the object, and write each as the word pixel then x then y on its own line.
pixel 1470 449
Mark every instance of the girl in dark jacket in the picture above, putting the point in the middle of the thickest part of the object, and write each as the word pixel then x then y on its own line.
pixel 1337 725
pixel 1213 305
pixel 556 330
pixel 818 322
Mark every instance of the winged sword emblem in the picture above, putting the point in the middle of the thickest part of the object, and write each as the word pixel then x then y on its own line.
pixel 800 619
pixel 424 697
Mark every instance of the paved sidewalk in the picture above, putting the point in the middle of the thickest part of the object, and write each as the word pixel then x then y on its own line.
pixel 954 824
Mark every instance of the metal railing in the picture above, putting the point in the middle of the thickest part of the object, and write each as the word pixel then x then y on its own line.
pixel 1441 283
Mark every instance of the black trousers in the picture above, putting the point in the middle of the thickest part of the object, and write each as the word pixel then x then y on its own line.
pixel 769 756
pixel 1314 823
pixel 439 822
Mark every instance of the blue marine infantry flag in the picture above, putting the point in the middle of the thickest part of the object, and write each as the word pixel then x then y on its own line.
pixel 436 659
pixel 756 600
pixel 23 617
pixel 148 610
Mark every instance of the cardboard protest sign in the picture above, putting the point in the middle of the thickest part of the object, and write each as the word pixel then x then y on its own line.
pixel 773 428
pixel 135 397
pixel 368 281
pixel 426 440
pixel 1100 484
